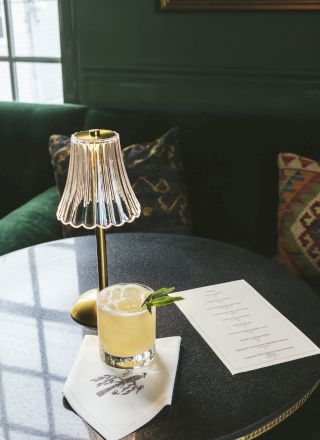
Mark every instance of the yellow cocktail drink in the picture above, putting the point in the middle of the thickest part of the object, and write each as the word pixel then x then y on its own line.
pixel 126 331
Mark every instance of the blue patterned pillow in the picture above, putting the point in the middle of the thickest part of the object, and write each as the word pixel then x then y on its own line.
pixel 156 174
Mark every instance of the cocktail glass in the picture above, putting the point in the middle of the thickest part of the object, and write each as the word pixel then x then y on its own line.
pixel 126 331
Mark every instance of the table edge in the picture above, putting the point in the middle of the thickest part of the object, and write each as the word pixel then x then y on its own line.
pixel 281 417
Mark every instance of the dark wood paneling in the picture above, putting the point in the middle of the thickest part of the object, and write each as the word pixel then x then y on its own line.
pixel 69 50
pixel 222 91
pixel 132 55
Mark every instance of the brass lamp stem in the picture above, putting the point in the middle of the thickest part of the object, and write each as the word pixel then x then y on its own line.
pixel 102 258
pixel 84 310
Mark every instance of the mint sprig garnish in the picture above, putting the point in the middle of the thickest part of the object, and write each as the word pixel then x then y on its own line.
pixel 160 298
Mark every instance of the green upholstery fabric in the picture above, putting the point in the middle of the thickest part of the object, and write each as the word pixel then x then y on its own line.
pixel 32 223
pixel 25 169
pixel 230 163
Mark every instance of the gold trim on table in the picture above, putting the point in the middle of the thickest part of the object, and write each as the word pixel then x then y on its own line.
pixel 257 5
pixel 277 420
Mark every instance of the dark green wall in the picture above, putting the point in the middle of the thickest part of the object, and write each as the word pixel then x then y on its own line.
pixel 128 54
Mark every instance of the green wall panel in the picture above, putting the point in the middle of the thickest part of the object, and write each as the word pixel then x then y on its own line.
pixel 129 54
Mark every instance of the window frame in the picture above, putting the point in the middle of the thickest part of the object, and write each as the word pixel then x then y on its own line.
pixel 12 58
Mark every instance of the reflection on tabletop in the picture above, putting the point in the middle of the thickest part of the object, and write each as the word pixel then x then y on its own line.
pixel 39 342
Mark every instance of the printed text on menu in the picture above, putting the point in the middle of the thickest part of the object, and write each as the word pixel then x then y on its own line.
pixel 242 328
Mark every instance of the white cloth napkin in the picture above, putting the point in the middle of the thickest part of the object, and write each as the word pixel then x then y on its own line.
pixel 116 402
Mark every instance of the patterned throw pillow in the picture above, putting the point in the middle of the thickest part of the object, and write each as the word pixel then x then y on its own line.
pixel 299 214
pixel 155 171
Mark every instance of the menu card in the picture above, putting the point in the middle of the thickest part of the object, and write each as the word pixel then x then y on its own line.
pixel 242 328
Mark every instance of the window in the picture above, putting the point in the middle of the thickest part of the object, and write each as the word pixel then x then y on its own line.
pixel 30 57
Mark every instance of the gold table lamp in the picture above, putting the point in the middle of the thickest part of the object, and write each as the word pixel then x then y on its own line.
pixel 97 195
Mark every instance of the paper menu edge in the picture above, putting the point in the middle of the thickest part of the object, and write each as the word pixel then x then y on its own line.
pixel 185 307
pixel 183 292
pixel 207 340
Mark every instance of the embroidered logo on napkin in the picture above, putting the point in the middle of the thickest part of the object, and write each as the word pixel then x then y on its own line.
pixel 93 389
pixel 119 385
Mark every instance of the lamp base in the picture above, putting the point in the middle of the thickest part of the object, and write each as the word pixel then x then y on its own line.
pixel 84 310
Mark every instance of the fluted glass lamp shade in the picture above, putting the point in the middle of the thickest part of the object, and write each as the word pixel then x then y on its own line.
pixel 97 192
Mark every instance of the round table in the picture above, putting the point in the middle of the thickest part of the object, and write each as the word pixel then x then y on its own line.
pixel 39 341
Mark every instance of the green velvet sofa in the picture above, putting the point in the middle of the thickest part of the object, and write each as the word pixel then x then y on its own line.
pixel 230 164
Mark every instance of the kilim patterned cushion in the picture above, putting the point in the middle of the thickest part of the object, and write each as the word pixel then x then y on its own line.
pixel 155 172
pixel 299 214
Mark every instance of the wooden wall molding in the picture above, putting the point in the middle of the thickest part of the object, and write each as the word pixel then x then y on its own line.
pixel 176 73
pixel 258 5
pixel 162 87
pixel 222 90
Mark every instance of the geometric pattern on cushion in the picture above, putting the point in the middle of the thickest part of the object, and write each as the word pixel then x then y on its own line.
pixel 299 214
pixel 155 171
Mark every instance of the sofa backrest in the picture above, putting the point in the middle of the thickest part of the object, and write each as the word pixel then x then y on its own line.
pixel 230 162
pixel 230 166
pixel 25 168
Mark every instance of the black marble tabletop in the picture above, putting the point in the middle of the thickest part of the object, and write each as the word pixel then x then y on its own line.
pixel 39 341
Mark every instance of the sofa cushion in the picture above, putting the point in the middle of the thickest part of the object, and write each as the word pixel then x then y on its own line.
pixel 32 223
pixel 299 214
pixel 156 174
